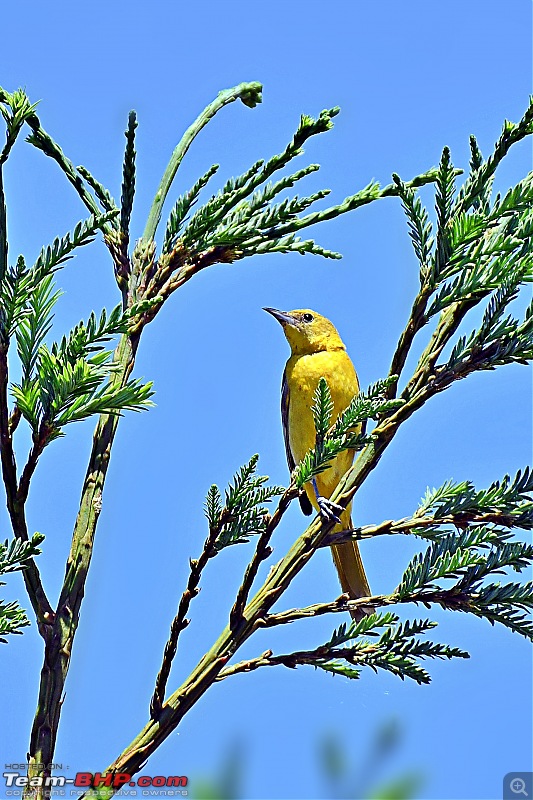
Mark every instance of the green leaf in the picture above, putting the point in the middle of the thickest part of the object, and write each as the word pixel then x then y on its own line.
pixel 510 497
pixel 54 256
pixel 322 409
pixel 15 109
pixel 90 337
pixel 35 325
pixel 396 650
pixel 368 625
pixel 213 506
pixel 420 228
pixel 444 194
pixel 70 381
pixel 103 195
pixel 12 620
pixel 128 175
pixel 216 210
pixel 178 215
pixel 345 434
pixel 14 555
pixel 244 506
pixel 15 288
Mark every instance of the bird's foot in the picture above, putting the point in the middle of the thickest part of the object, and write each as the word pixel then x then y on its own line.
pixel 328 509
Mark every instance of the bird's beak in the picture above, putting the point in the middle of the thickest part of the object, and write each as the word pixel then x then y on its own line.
pixel 282 317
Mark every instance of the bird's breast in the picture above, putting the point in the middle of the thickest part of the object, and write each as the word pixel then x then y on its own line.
pixel 303 374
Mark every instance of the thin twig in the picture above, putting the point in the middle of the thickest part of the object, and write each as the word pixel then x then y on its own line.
pixel 27 472
pixel 448 598
pixel 261 553
pixel 3 228
pixel 44 142
pixel 449 321
pixel 16 504
pixel 410 524
pixel 257 610
pixel 179 623
pixel 14 420
pixel 416 322
pixel 298 658
pixel 340 605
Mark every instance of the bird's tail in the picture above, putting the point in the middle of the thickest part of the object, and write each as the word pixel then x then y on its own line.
pixel 351 571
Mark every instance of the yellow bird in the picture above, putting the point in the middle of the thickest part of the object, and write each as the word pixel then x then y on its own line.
pixel 318 351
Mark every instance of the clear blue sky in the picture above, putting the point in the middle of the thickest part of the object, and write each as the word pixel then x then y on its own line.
pixel 410 78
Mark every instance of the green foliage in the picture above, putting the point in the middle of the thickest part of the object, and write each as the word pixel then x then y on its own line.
pixel 128 175
pixel 397 649
pixel 509 497
pixel 183 205
pixel 70 381
pixel 478 250
pixel 444 194
pixel 26 296
pixel 454 568
pixel 455 572
pixel 482 201
pixel 55 255
pixel 13 299
pixel 345 433
pixel 102 194
pixel 243 514
pixel 14 556
pixel 322 409
pixel 241 219
pixel 452 555
pixel 12 619
pixel 369 626
pixel 481 252
pixel 89 337
pixel 482 172
pixel 26 292
pixel 213 506
pixel 497 341
pixel 15 109
pixel 35 324
pixel 420 228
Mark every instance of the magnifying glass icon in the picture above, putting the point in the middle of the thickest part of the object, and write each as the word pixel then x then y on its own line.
pixel 518 786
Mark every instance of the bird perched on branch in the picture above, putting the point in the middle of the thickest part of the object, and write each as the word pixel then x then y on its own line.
pixel 318 351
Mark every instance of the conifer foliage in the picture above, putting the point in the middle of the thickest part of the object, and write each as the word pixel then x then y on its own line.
pixel 475 255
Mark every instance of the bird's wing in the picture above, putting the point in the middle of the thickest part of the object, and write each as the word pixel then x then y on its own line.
pixel 305 503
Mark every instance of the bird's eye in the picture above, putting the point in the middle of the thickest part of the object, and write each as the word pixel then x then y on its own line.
pixel 307 317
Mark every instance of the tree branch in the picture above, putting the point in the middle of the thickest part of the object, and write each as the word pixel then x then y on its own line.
pixel 341 604
pixel 248 93
pixel 448 323
pixel 362 198
pixel 409 525
pixel 43 141
pixel 262 552
pixel 179 623
pixel 60 637
pixel 16 504
pixel 3 227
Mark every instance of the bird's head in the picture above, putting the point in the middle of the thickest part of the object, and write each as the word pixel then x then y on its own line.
pixel 307 331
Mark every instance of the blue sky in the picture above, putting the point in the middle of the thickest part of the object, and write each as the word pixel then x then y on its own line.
pixel 410 78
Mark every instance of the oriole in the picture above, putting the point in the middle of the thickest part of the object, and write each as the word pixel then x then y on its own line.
pixel 318 351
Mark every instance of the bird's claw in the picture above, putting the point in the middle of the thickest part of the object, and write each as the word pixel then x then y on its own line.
pixel 328 509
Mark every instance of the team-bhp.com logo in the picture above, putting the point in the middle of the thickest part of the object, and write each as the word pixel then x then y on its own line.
pixel 158 785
